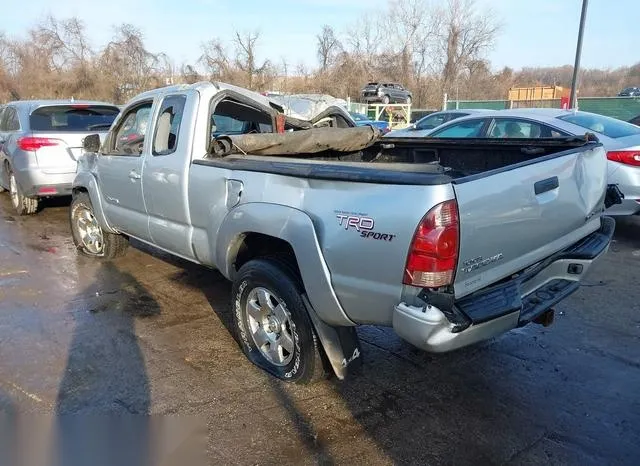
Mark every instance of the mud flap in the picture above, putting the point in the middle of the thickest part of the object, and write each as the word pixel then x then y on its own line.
pixel 613 196
pixel 341 344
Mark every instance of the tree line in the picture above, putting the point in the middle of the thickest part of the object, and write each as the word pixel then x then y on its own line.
pixel 430 49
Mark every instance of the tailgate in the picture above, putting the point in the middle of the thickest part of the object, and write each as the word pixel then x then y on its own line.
pixel 62 152
pixel 511 219
pixel 62 128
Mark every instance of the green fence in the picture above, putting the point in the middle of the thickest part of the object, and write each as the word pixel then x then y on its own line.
pixel 623 108
pixel 478 104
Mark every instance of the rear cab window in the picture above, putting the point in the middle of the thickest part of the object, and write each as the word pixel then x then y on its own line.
pixel 610 127
pixel 165 139
pixel 73 118
pixel 231 117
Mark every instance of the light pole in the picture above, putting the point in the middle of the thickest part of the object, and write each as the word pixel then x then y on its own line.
pixel 573 100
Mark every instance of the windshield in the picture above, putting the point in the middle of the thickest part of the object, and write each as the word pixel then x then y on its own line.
pixel 359 117
pixel 610 127
pixel 74 117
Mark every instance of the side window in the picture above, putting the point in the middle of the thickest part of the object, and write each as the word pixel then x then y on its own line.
pixel 131 131
pixel 513 128
pixel 3 119
pixel 432 121
pixel 165 138
pixel 463 129
pixel 12 123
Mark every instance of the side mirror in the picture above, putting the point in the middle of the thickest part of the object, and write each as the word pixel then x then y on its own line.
pixel 91 143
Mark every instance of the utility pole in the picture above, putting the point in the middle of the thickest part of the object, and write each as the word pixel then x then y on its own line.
pixel 573 100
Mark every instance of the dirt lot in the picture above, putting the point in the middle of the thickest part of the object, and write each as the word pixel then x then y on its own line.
pixel 149 334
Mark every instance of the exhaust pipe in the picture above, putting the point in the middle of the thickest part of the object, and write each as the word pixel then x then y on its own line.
pixel 546 318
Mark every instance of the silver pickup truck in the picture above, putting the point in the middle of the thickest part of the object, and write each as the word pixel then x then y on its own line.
pixel 322 226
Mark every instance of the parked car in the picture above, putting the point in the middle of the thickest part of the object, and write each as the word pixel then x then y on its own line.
pixel 41 143
pixel 620 139
pixel 629 92
pixel 364 120
pixel 428 123
pixel 385 93
pixel 323 229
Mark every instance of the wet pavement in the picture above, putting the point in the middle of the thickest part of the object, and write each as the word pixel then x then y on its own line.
pixel 149 334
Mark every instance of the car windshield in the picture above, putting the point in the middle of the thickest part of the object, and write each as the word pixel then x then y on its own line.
pixel 629 89
pixel 610 127
pixel 359 117
pixel 74 117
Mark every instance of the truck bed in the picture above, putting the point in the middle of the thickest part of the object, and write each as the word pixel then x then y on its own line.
pixel 406 161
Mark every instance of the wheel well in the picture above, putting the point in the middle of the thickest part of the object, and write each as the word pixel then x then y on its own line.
pixel 258 245
pixel 79 189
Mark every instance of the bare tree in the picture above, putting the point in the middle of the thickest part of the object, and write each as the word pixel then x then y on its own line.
pixel 465 36
pixel 215 60
pixel 246 58
pixel 328 47
pixel 129 66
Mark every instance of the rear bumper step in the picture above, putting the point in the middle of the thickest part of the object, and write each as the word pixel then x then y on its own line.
pixel 536 290
pixel 507 305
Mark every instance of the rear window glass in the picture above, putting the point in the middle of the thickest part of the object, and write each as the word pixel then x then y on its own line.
pixel 610 127
pixel 73 118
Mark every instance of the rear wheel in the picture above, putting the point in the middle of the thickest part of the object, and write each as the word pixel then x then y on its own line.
pixel 385 99
pixel 88 236
pixel 272 324
pixel 409 100
pixel 22 204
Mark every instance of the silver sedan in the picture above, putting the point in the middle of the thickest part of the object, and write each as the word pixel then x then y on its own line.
pixel 620 139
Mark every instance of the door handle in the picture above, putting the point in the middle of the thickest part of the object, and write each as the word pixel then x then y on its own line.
pixel 546 185
pixel 134 175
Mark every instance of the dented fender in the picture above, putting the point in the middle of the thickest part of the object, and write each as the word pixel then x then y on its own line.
pixel 86 181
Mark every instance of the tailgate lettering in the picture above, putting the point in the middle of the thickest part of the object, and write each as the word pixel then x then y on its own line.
pixel 474 264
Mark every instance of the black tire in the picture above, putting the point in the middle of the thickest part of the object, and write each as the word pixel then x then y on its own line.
pixel 113 245
pixel 409 100
pixel 23 205
pixel 385 99
pixel 305 364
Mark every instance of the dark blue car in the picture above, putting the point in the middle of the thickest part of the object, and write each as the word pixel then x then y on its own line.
pixel 364 120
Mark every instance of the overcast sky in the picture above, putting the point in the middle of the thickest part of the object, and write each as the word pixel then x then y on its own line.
pixel 534 33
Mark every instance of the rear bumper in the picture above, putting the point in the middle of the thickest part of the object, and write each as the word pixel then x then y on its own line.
pixel 36 183
pixel 504 306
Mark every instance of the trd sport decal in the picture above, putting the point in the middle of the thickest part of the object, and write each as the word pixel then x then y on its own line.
pixel 363 225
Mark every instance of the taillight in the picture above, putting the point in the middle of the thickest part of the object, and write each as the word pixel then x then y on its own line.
pixel 433 255
pixel 628 157
pixel 30 144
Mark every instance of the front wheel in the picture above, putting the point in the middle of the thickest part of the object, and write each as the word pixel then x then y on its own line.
pixel 385 99
pixel 88 236
pixel 272 324
pixel 409 100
